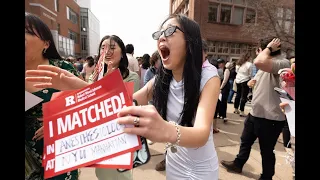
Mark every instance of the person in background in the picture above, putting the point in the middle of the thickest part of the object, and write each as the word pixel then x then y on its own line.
pixel 79 64
pixel 40 50
pixel 233 74
pixel 155 62
pixel 139 59
pixel 244 70
pixel 133 63
pixel 224 88
pixel 265 121
pixel 215 129
pixel 88 68
pixel 220 71
pixel 143 68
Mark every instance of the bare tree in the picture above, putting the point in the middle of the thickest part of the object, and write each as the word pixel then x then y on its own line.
pixel 275 18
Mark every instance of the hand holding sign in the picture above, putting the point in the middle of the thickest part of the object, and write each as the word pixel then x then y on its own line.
pixel 151 124
pixel 81 129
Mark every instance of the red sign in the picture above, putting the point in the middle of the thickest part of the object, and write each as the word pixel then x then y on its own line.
pixel 80 126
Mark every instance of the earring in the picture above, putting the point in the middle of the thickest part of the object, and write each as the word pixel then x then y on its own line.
pixel 44 51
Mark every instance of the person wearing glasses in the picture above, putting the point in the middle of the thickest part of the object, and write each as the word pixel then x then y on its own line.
pixel 184 95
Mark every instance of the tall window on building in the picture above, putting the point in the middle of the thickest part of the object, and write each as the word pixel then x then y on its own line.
pixel 250 16
pixel 237 16
pixel 213 12
pixel 84 23
pixel 84 43
pixel 56 5
pixel 72 16
pixel 225 14
pixel 74 36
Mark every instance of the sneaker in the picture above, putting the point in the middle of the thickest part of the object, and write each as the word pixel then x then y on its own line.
pixel 231 166
pixel 242 114
pixel 161 166
pixel 236 111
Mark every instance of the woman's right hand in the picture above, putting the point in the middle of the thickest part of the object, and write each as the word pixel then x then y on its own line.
pixel 48 76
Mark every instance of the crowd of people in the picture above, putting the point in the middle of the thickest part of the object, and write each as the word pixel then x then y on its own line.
pixel 183 94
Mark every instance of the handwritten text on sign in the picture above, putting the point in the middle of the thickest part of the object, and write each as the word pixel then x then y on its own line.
pixel 81 130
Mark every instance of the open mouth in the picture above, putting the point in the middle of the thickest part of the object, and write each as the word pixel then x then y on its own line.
pixel 165 52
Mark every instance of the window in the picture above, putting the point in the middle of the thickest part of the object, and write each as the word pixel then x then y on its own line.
pixel 225 47
pixel 83 42
pixel 74 36
pixel 237 17
pixel 229 1
pixel 56 5
pixel 239 2
pixel 225 14
pixel 58 28
pixel 213 12
pixel 72 16
pixel 288 14
pixel 84 23
pixel 235 48
pixel 211 46
pixel 244 48
pixel 250 16
pixel 219 45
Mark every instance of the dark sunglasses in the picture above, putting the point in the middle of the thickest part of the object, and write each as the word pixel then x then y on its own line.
pixel 168 32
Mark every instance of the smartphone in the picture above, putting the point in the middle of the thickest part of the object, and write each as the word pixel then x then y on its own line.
pixel 141 156
pixel 283 94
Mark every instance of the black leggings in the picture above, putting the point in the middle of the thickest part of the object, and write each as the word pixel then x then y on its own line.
pixel 242 95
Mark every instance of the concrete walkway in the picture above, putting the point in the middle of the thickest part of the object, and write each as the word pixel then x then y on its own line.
pixel 227 144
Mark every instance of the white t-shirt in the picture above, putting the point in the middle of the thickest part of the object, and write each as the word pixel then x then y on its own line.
pixel 133 63
pixel 243 72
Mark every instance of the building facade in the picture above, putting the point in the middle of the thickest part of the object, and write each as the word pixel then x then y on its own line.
pixel 220 23
pixel 90 29
pixel 62 17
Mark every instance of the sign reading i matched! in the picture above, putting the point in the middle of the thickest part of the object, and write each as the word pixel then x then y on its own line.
pixel 80 128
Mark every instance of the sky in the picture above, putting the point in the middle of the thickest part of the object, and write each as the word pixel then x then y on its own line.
pixel 133 21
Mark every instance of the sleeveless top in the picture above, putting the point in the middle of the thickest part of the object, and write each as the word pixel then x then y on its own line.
pixel 190 163
pixel 233 73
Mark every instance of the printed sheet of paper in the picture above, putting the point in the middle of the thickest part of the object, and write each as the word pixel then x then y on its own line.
pixel 81 128
pixel 290 113
pixel 124 161
pixel 30 100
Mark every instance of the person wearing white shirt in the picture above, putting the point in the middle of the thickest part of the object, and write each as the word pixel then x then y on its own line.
pixel 133 63
pixel 244 71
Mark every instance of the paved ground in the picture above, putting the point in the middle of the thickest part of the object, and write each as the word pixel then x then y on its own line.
pixel 227 146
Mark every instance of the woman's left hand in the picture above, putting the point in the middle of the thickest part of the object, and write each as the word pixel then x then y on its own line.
pixel 150 124
pixel 38 135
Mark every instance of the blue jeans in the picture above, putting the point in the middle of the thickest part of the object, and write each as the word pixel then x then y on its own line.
pixel 231 93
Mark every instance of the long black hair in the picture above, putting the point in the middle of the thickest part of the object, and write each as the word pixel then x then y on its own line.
pixel 191 73
pixel 123 65
pixel 36 27
pixel 145 61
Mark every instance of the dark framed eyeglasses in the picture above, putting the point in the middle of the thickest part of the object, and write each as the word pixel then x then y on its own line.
pixel 167 32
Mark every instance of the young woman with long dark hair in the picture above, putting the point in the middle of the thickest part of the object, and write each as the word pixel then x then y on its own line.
pixel 185 94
